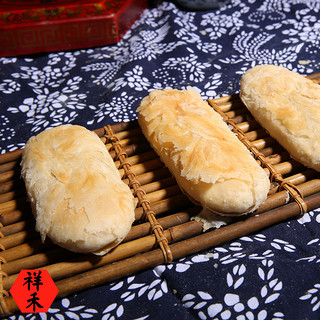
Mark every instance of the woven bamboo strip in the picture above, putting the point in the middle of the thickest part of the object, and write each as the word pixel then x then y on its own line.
pixel 139 158
pixel 125 267
pixel 163 193
pixel 21 237
pixel 177 202
pixel 310 187
pixel 256 134
pixel 50 256
pixel 124 142
pixel 263 143
pixel 18 238
pixel 7 176
pixel 17 227
pixel 138 146
pixel 226 99
pixel 278 158
pixel 8 166
pixel 237 112
pixel 140 194
pixel 166 222
pixel 68 268
pixel 15 216
pixel 303 180
pixel 314 77
pixel 246 126
pixel 141 168
pixel 227 103
pixel 132 149
pixel 26 249
pixel 118 127
pixel 3 293
pixel 240 118
pixel 125 250
pixel 58 254
pixel 303 177
pixel 8 196
pixel 241 228
pixel 269 151
pixel 288 167
pixel 159 185
pixel 151 176
pixel 284 168
pixel 13 205
pixel 11 195
pixel 10 156
pixel 128 134
pixel 7 186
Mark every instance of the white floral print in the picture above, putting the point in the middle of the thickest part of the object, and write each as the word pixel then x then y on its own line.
pixel 253 277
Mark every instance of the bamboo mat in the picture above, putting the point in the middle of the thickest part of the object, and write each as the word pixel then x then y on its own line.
pixel 164 230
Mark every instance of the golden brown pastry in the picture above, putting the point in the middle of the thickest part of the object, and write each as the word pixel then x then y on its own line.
pixel 208 161
pixel 75 190
pixel 287 105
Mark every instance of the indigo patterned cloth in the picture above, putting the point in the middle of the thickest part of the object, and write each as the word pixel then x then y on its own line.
pixel 272 274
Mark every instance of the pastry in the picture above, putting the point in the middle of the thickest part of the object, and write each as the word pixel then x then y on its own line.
pixel 287 105
pixel 208 161
pixel 75 190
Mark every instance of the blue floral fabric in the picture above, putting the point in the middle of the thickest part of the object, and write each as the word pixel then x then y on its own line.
pixel 273 274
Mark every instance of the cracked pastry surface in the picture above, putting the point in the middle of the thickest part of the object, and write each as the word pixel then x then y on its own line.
pixel 287 105
pixel 208 161
pixel 75 190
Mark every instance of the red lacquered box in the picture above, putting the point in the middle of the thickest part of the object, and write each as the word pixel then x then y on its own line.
pixel 34 26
